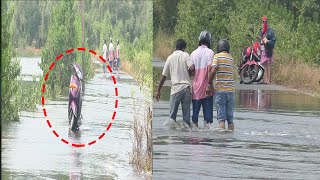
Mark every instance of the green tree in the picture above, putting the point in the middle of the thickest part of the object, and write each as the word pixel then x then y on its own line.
pixel 196 16
pixel 64 33
pixel 9 69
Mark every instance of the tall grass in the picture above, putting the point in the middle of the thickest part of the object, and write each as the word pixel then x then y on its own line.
pixel 297 75
pixel 142 136
pixel 163 45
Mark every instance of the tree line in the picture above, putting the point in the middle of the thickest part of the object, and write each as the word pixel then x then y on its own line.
pixel 296 24
pixel 55 26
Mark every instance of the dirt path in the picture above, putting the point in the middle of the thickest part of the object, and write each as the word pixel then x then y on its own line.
pixel 159 63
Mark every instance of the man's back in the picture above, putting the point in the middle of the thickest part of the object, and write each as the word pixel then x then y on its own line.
pixel 111 52
pixel 176 67
pixel 118 51
pixel 224 78
pixel 105 49
pixel 202 58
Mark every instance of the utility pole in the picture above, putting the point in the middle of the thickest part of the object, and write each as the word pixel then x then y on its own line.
pixel 82 23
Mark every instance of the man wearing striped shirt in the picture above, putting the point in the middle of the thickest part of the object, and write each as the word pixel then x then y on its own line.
pixel 222 70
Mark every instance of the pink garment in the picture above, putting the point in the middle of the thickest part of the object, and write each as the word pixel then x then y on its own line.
pixel 111 56
pixel 202 58
pixel 265 59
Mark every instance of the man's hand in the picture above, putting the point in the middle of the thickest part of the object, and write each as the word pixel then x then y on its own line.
pixel 159 88
pixel 209 90
pixel 158 96
pixel 265 40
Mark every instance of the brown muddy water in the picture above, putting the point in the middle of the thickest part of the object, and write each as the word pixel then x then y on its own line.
pixel 277 136
pixel 31 151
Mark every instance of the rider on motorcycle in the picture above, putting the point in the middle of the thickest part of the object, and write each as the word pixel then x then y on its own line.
pixel 75 93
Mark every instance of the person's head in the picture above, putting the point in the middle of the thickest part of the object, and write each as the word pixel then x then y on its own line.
pixel 181 45
pixel 223 45
pixel 205 38
pixel 105 41
pixel 77 70
pixel 264 22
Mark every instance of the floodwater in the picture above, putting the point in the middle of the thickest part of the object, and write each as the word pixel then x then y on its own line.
pixel 31 150
pixel 277 136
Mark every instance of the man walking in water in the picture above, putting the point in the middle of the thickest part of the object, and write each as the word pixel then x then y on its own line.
pixel 176 67
pixel 202 59
pixel 222 69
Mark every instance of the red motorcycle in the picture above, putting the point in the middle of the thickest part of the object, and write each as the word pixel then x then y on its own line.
pixel 250 69
pixel 75 97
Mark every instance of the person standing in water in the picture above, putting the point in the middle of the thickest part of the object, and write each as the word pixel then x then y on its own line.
pixel 177 67
pixel 202 59
pixel 222 70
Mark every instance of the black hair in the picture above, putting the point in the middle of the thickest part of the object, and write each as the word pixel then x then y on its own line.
pixel 205 41
pixel 181 44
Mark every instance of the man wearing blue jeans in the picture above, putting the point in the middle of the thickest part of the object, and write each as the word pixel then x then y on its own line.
pixel 222 69
pixel 202 60
pixel 177 67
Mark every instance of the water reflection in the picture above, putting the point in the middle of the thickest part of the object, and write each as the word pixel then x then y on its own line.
pixel 76 165
pixel 277 135
pixel 258 100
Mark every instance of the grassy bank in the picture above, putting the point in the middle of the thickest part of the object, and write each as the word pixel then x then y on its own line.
pixel 28 52
pixel 297 75
pixel 142 126
pixel 289 72
pixel 163 45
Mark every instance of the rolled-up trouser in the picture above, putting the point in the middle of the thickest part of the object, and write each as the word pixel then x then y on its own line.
pixel 183 97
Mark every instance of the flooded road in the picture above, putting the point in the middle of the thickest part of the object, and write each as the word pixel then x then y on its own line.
pixel 31 150
pixel 277 136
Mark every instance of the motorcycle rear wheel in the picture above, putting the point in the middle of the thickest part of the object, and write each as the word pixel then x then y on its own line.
pixel 249 74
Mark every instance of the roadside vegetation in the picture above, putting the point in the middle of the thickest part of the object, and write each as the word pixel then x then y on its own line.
pixel 48 28
pixel 296 24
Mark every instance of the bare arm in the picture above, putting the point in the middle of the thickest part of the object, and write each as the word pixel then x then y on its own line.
pixel 212 74
pixel 192 70
pixel 163 79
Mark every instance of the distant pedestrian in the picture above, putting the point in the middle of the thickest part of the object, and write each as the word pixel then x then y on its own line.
pixel 268 38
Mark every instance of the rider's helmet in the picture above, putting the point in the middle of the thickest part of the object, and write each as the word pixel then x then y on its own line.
pixel 223 45
pixel 77 70
pixel 205 37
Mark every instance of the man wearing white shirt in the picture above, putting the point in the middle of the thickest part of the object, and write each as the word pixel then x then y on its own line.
pixel 105 49
pixel 111 53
